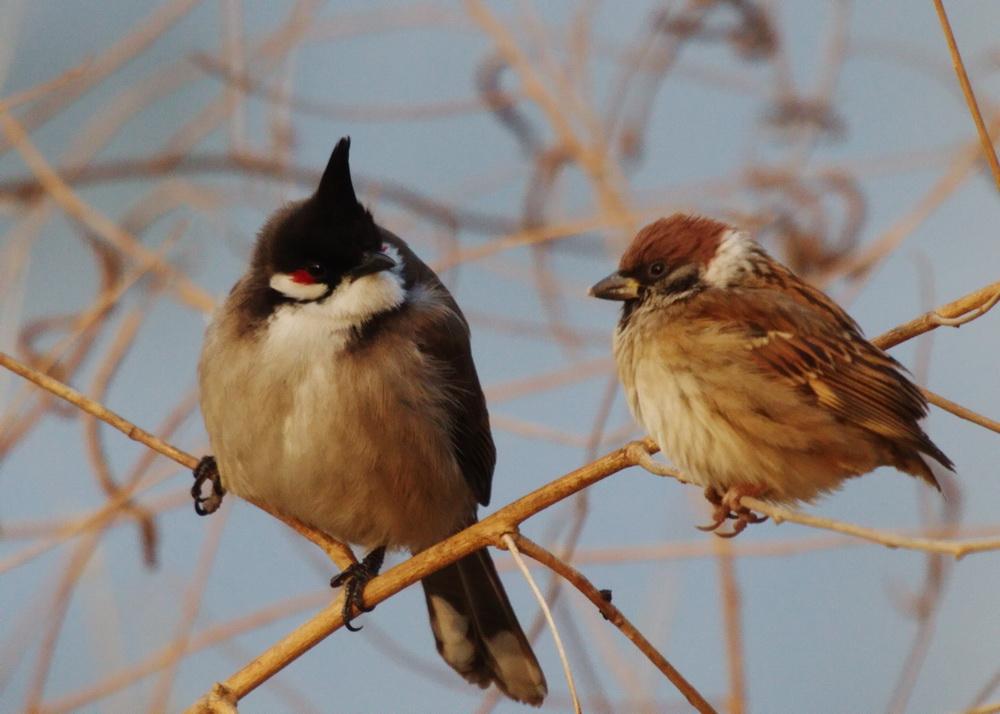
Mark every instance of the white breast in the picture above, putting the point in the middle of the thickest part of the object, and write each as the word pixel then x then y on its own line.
pixel 351 440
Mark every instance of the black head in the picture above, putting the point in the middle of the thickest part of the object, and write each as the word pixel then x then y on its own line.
pixel 308 248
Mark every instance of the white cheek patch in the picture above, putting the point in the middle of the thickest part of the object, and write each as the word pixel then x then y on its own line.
pixel 355 301
pixel 312 325
pixel 287 286
pixel 733 258
pixel 325 325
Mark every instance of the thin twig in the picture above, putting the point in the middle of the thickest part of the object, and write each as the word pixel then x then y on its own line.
pixel 91 407
pixel 971 303
pixel 616 618
pixel 960 411
pixel 970 96
pixel 955 548
pixel 978 312
pixel 508 540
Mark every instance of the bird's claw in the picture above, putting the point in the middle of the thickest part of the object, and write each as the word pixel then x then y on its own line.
pixel 207 470
pixel 721 515
pixel 354 578
pixel 743 518
pixel 728 507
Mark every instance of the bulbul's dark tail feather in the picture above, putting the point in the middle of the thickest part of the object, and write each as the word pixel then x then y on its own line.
pixel 477 632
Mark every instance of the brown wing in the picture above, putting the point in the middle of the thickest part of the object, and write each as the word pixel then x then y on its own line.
pixel 827 359
pixel 446 339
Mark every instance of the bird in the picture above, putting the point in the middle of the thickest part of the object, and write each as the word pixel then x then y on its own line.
pixel 338 388
pixel 753 382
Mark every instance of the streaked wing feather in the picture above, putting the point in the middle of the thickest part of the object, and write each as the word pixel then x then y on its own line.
pixel 828 360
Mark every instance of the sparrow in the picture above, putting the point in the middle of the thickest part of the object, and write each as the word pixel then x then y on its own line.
pixel 751 381
pixel 338 389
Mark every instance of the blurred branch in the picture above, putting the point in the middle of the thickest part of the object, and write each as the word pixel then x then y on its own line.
pixel 402 111
pixel 991 708
pixel 863 261
pixel 92 434
pixel 40 90
pixel 161 19
pixel 970 96
pixel 732 625
pixel 170 163
pixel 70 202
pixel 592 157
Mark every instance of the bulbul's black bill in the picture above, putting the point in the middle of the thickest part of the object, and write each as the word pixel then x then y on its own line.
pixel 373 262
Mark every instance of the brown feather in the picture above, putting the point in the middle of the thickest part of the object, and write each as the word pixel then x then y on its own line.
pixel 682 238
pixel 829 361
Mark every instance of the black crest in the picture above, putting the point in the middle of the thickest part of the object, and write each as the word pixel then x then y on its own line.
pixel 336 190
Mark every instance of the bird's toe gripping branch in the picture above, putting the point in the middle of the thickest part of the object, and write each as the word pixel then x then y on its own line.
pixel 728 507
pixel 207 470
pixel 354 579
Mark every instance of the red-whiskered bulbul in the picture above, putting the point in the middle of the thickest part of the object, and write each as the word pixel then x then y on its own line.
pixel 338 388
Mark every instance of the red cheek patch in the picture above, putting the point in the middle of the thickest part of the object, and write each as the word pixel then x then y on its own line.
pixel 302 277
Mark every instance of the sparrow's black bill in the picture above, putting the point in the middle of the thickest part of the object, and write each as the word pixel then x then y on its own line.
pixel 373 262
pixel 615 287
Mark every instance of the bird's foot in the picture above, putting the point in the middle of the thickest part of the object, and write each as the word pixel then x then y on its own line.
pixel 354 579
pixel 207 470
pixel 728 507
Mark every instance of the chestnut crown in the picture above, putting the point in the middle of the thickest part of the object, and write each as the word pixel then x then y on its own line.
pixel 682 238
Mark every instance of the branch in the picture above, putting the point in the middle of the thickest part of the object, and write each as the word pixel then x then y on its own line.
pixel 970 96
pixel 977 302
pixel 491 530
pixel 613 615
pixel 510 543
pixel 955 548
pixel 338 552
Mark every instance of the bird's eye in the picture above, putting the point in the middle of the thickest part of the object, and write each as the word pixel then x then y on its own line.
pixel 317 271
pixel 656 269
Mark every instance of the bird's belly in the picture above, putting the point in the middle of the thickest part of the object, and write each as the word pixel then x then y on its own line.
pixel 725 426
pixel 672 406
pixel 360 454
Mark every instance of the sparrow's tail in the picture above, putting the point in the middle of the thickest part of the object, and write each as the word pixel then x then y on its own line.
pixel 912 462
pixel 476 631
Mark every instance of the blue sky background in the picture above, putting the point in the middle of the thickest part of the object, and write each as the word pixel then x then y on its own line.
pixel 824 629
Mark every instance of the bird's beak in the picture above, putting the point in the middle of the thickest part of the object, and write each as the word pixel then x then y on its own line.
pixel 373 261
pixel 615 287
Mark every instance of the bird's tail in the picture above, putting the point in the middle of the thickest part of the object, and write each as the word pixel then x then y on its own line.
pixel 477 632
pixel 912 462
